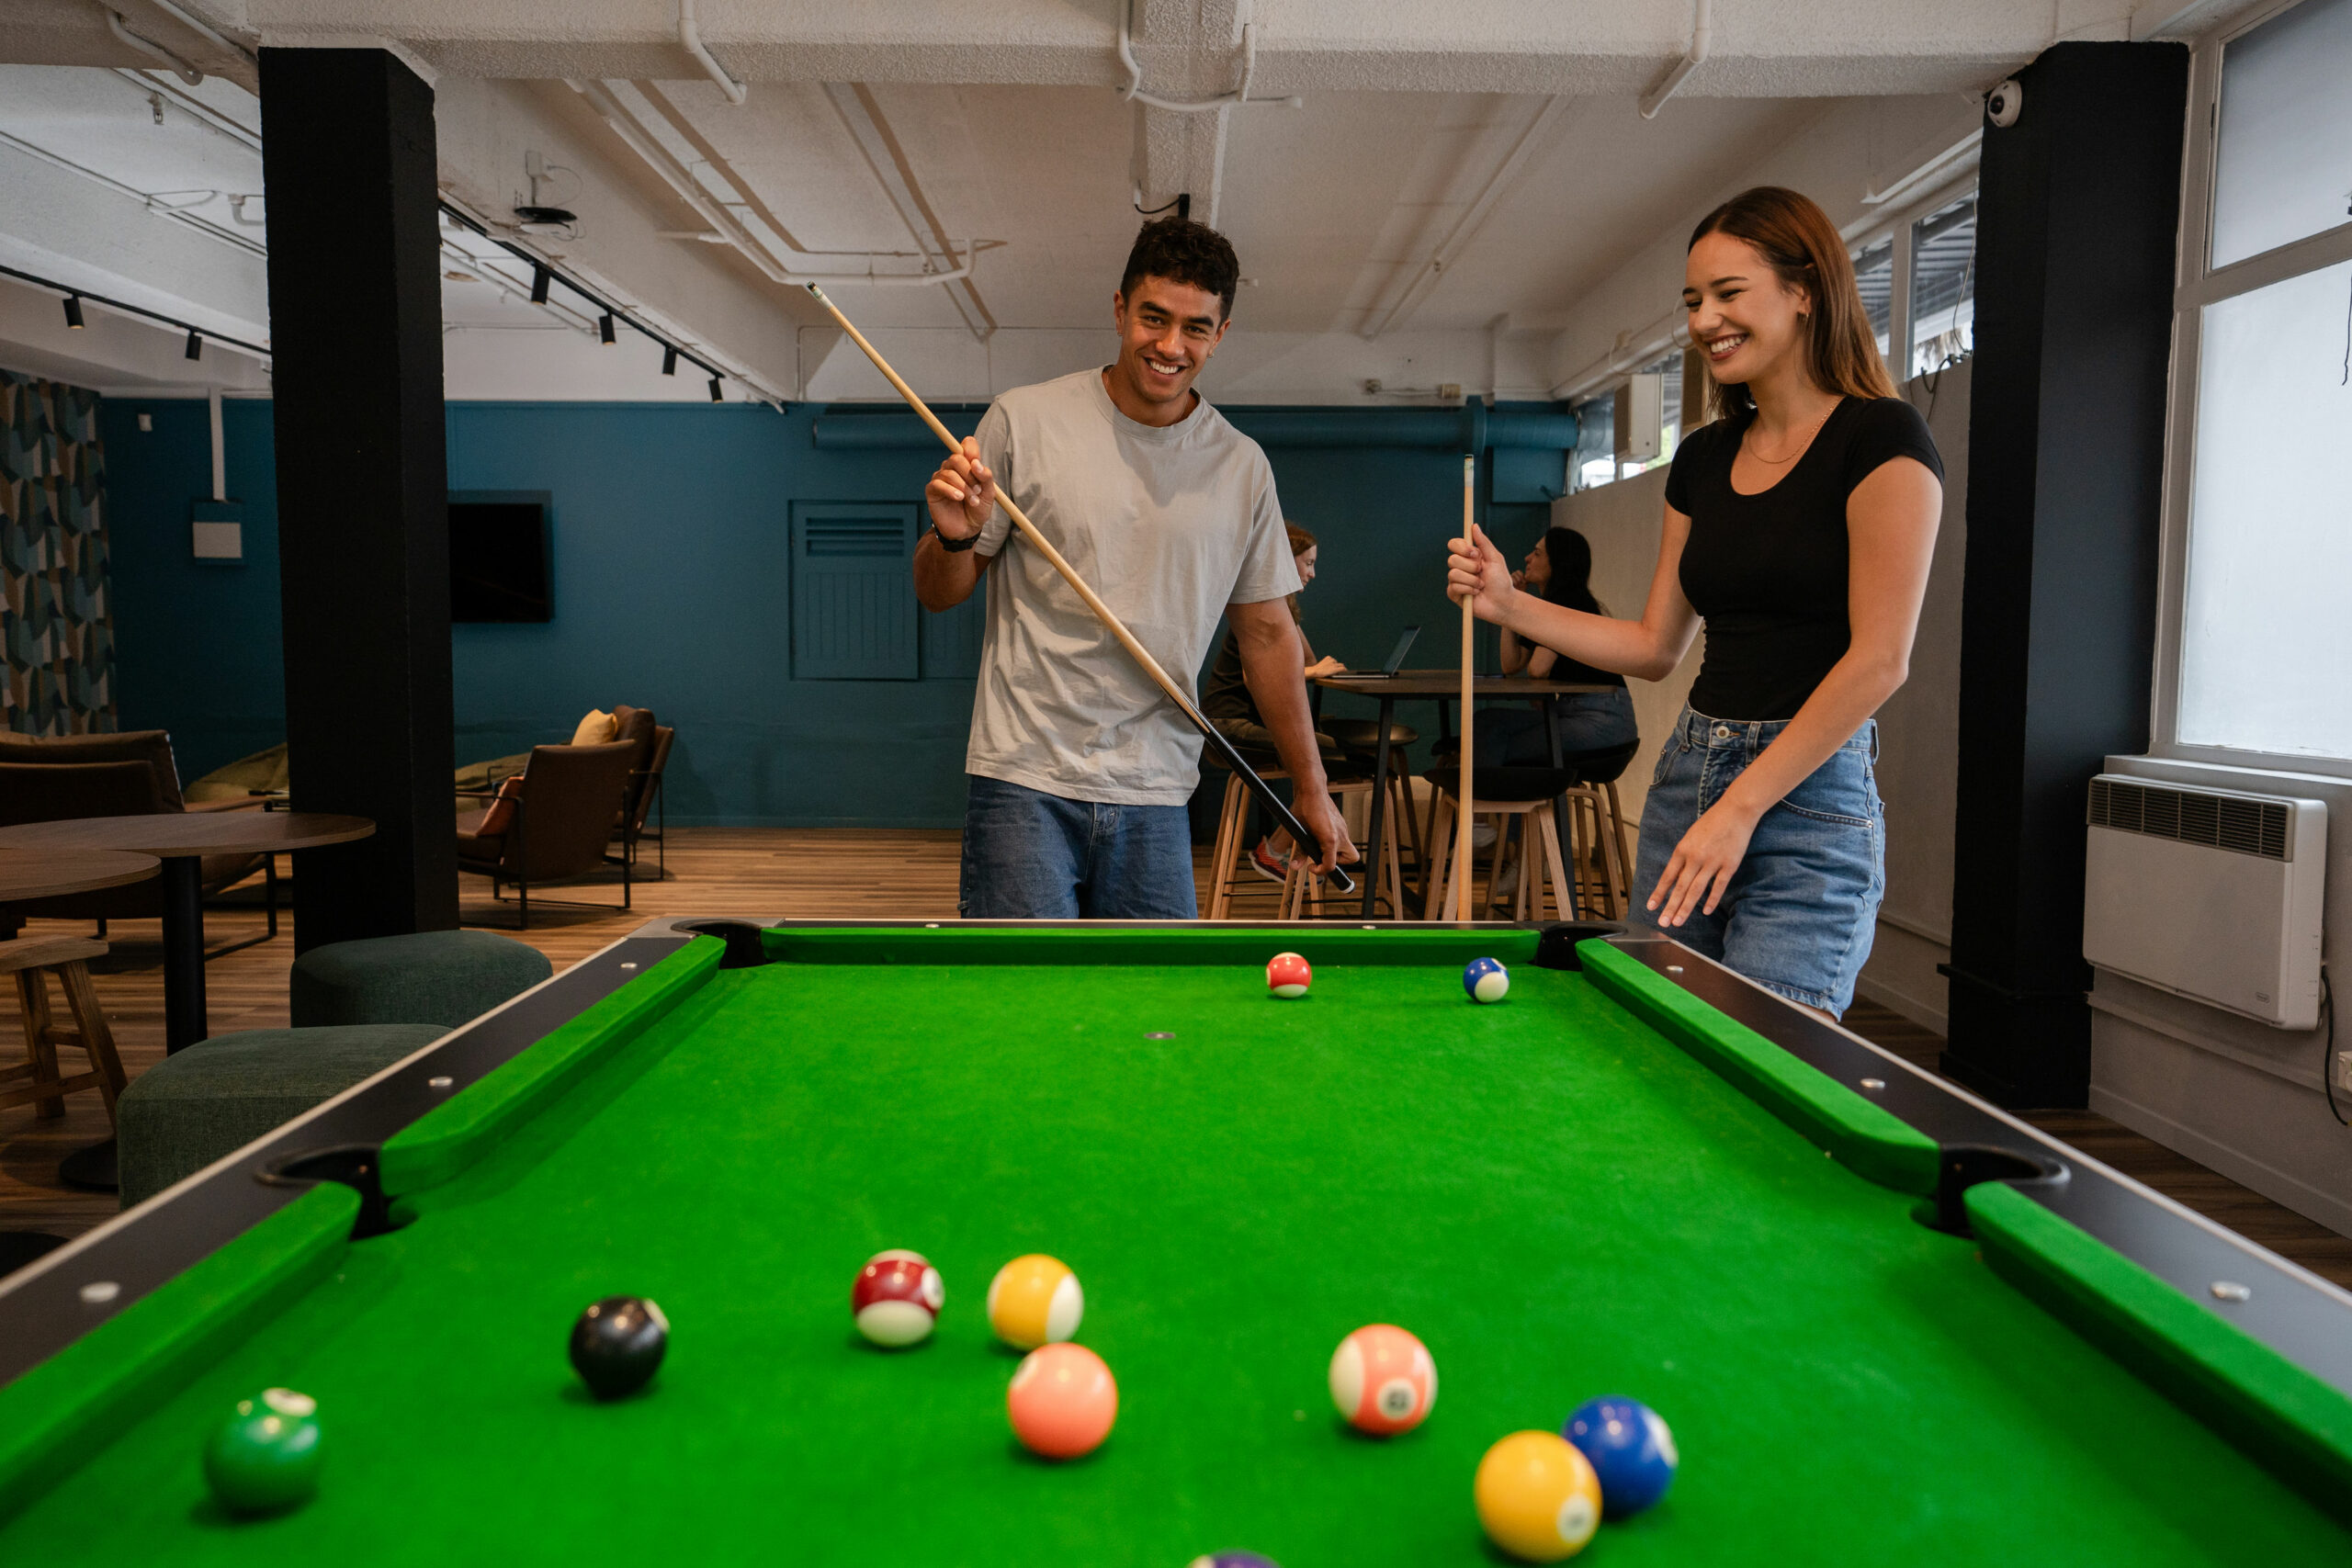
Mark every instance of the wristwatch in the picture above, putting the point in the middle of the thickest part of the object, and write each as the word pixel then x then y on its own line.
pixel 954 546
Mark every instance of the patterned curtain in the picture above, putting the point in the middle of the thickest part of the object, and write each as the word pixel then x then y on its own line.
pixel 56 621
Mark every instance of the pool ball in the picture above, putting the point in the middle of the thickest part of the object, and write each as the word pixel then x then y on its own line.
pixel 1486 980
pixel 1062 1401
pixel 897 1298
pixel 1288 974
pixel 617 1344
pixel 265 1458
pixel 1035 1301
pixel 1537 1496
pixel 1234 1560
pixel 1382 1380
pixel 1630 1449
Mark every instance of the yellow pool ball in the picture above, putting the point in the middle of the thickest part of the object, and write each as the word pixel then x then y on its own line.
pixel 1035 1301
pixel 1537 1496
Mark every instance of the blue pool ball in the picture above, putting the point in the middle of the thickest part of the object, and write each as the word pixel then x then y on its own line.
pixel 1487 980
pixel 1631 1450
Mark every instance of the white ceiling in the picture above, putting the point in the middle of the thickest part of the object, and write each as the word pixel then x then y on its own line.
pixel 1473 168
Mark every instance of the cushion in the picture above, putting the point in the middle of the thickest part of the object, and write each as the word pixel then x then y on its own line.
pixel 444 978
pixel 499 814
pixel 263 769
pixel 221 1094
pixel 596 729
pixel 635 724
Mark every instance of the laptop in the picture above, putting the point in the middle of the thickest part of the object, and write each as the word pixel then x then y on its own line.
pixel 1395 658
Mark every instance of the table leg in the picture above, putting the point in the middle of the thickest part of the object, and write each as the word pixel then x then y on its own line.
pixel 184 1012
pixel 1551 741
pixel 1373 818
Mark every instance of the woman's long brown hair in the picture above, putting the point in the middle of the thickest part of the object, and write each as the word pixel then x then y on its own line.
pixel 1802 247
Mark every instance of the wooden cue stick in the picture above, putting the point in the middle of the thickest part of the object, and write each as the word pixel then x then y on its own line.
pixel 1142 655
pixel 1469 649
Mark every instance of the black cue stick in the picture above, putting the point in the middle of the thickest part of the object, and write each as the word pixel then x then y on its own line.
pixel 1142 655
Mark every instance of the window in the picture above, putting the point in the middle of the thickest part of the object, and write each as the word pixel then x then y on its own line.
pixel 1943 287
pixel 1874 274
pixel 1595 462
pixel 2257 652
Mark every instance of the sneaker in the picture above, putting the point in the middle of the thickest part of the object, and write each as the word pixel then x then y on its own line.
pixel 1482 835
pixel 1507 885
pixel 1268 865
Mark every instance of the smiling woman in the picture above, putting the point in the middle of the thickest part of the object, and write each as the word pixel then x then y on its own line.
pixel 1798 527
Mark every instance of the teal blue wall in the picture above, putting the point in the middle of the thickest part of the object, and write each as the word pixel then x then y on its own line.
pixel 671 593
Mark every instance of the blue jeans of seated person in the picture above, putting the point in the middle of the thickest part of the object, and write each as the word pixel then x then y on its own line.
pixel 1512 736
pixel 1032 856
pixel 1801 909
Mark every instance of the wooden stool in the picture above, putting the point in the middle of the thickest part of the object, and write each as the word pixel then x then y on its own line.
pixel 30 960
pixel 1543 827
pixel 1232 825
pixel 1613 874
pixel 1302 886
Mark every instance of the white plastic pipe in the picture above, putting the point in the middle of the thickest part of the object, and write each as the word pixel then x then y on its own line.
pixel 1702 30
pixel 690 40
pixel 1133 92
pixel 156 51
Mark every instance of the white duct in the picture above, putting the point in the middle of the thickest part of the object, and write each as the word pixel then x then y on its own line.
pixel 1702 31
pixel 156 51
pixel 1133 92
pixel 690 40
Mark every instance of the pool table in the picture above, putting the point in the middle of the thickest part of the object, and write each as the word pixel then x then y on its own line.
pixel 1887 1323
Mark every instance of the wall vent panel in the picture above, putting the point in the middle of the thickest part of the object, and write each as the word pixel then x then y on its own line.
pixel 853 609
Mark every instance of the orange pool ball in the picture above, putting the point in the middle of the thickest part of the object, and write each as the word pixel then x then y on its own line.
pixel 1382 1380
pixel 1063 1401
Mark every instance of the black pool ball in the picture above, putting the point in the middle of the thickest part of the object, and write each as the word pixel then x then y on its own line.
pixel 617 1344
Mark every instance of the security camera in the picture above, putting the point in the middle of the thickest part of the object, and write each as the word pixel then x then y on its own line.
pixel 2005 102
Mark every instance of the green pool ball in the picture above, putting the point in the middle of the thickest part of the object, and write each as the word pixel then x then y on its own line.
pixel 265 1458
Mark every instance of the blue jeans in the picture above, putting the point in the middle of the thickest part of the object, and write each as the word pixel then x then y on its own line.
pixel 1589 721
pixel 1801 909
pixel 1032 856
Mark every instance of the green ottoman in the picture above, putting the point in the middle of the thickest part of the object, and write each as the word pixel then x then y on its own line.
pixel 444 977
pixel 221 1094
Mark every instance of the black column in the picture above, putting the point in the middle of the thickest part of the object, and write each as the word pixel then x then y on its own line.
pixel 2078 208
pixel 355 310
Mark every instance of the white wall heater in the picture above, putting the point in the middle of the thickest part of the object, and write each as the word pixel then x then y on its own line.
pixel 2212 895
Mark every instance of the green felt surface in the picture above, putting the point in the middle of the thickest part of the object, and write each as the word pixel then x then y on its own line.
pixel 1558 1199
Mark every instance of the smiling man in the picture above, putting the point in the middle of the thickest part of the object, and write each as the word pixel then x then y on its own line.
pixel 1080 765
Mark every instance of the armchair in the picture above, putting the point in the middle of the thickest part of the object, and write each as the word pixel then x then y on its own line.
pixel 552 823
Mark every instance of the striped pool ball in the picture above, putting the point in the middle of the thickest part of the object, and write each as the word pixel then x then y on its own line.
pixel 1382 1380
pixel 1537 1497
pixel 1035 1301
pixel 1287 974
pixel 897 1298
pixel 1630 1449
pixel 1486 980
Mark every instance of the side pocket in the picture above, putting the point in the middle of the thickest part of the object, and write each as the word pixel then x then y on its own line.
pixel 1665 760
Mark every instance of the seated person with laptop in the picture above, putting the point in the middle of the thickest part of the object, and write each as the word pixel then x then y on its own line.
pixel 1227 704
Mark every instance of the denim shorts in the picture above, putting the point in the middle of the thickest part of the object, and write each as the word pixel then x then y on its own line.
pixel 1032 856
pixel 1803 907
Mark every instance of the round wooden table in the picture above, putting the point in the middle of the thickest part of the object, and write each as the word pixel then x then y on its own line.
pixel 180 839
pixel 44 874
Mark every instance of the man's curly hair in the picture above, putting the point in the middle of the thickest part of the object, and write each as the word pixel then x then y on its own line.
pixel 1183 251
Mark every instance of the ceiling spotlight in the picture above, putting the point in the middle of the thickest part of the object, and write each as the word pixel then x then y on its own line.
pixel 669 360
pixel 74 311
pixel 539 278
pixel 195 345
pixel 714 394
pixel 604 328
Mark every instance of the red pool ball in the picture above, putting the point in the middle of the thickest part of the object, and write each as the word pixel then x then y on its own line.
pixel 897 1298
pixel 1288 974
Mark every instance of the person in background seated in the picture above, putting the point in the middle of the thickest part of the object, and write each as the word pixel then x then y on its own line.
pixel 1227 704
pixel 1558 570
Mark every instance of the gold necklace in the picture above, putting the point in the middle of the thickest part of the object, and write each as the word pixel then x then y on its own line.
pixel 1807 441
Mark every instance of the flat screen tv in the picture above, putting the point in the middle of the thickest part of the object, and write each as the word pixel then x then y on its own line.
pixel 498 557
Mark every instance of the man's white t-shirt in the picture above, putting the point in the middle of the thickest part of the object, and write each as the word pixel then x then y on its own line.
pixel 1168 526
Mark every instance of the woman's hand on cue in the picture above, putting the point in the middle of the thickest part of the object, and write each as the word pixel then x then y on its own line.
pixel 1702 863
pixel 1476 571
pixel 962 493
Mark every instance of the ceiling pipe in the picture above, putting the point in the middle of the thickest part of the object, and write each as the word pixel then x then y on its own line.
pixel 1133 92
pixel 690 40
pixel 1702 30
pixel 156 51
pixel 205 30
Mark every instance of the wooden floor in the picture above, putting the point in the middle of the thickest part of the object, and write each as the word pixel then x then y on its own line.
pixel 806 872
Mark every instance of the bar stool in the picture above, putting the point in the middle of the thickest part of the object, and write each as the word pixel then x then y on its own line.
pixel 31 960
pixel 1301 887
pixel 1500 793
pixel 1232 827
pixel 1596 794
pixel 1360 739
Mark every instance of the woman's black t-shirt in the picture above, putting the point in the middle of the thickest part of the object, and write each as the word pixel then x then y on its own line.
pixel 1768 571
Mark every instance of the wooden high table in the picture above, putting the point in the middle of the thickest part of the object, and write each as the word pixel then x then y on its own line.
pixel 181 839
pixel 1443 687
pixel 46 873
